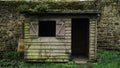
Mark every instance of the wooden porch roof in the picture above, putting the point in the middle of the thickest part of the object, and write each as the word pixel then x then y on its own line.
pixel 63 13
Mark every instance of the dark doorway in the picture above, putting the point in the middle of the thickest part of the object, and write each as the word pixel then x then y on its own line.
pixel 80 37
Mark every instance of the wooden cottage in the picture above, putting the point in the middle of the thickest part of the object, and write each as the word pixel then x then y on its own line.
pixel 60 36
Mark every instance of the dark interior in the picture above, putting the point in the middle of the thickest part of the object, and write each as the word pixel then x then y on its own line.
pixel 47 28
pixel 80 37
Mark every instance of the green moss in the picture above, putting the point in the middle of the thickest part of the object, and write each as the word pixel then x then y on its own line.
pixel 43 6
pixel 49 5
pixel 53 60
pixel 27 26
pixel 27 37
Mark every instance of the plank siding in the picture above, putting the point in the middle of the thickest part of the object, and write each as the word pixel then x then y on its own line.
pixel 48 48
pixel 55 49
pixel 95 40
pixel 68 35
pixel 49 60
pixel 92 39
pixel 37 57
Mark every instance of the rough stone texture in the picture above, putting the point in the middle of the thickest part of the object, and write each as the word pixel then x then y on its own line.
pixel 109 26
pixel 11 20
pixel 10 27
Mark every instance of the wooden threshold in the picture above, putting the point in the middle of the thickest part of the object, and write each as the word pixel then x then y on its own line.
pixel 80 59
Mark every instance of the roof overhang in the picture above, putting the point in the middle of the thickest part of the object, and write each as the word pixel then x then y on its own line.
pixel 63 13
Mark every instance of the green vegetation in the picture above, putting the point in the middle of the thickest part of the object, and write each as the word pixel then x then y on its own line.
pixel 10 59
pixel 106 59
pixel 44 5
pixel 50 5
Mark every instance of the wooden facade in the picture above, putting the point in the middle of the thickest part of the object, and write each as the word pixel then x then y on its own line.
pixel 59 47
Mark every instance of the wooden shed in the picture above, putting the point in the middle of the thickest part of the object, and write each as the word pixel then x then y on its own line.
pixel 60 36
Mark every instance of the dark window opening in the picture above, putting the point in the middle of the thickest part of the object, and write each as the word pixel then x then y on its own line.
pixel 47 28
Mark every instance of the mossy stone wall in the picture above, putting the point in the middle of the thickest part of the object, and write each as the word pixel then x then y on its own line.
pixel 10 27
pixel 11 23
pixel 109 26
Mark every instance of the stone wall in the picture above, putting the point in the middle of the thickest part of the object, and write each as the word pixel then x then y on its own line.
pixel 10 27
pixel 109 26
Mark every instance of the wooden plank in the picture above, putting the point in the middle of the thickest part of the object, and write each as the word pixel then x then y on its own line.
pixel 91 49
pixel 26 29
pixel 26 36
pixel 49 60
pixel 26 32
pixel 33 41
pixel 68 41
pixel 55 44
pixel 49 40
pixel 68 28
pixel 60 29
pixel 92 35
pixel 68 25
pixel 26 26
pixel 68 22
pixel 36 51
pixel 42 57
pixel 68 44
pixel 92 38
pixel 95 40
pixel 47 54
pixel 68 32
pixel 33 28
pixel 92 46
pixel 92 55
pixel 67 37
pixel 92 43
pixel 67 50
pixel 92 29
pixel 92 52
pixel 43 45
pixel 47 47
pixel 93 24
